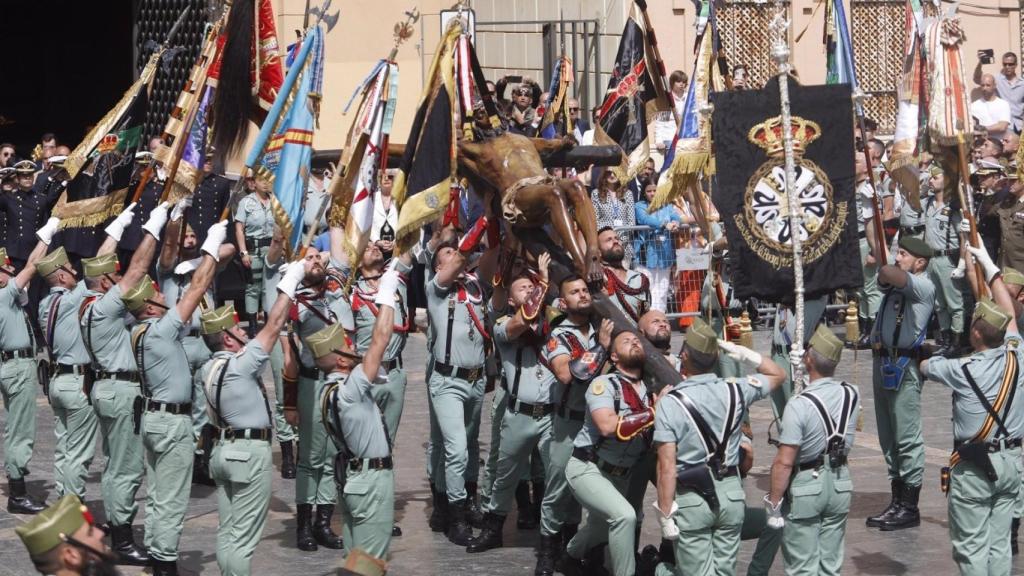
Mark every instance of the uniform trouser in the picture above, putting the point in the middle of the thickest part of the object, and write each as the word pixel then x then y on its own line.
pixel 610 517
pixel 521 434
pixel 254 290
pixel 458 405
pixel 499 403
pixel 76 443
pixel 708 539
pixel 169 445
pixel 18 383
pixel 390 398
pixel 815 529
pixel 949 300
pixel 980 512
pixel 898 415
pixel 755 525
pixel 112 400
pixel 869 297
pixel 642 474
pixel 314 479
pixel 284 431
pixel 367 506
pixel 197 354
pixel 242 470
pixel 559 507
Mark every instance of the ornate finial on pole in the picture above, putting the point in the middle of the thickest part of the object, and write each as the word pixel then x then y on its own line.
pixel 403 31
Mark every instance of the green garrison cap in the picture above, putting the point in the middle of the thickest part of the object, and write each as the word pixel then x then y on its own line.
pixel 701 337
pixel 824 342
pixel 916 246
pixel 5 262
pixel 1012 276
pixel 988 311
pixel 218 319
pixel 135 297
pixel 51 262
pixel 43 532
pixel 934 170
pixel 327 340
pixel 100 265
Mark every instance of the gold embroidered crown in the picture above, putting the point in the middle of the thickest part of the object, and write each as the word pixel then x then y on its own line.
pixel 768 135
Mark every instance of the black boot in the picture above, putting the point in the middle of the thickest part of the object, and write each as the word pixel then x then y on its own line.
pixel 165 567
pixel 128 553
pixel 526 520
pixel 947 345
pixel 250 329
pixel 593 561
pixel 304 528
pixel 201 470
pixel 322 528
pixel 396 531
pixel 287 460
pixel 546 555
pixel 1014 527
pixel 538 497
pixel 647 561
pixel 18 500
pixel 667 551
pixel 474 515
pixel 907 515
pixel 490 536
pixel 459 531
pixel 894 503
pixel 865 335
pixel 438 521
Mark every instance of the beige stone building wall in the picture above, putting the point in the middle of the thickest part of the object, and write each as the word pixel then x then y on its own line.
pixel 363 36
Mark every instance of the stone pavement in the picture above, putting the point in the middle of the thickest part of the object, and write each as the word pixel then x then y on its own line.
pixel 422 553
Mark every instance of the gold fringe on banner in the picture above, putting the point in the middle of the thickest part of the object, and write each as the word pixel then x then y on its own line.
pixel 89 212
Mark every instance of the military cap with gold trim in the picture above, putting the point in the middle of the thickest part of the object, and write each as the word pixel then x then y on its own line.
pixel 916 247
pixel 136 297
pixel 6 173
pixel 218 319
pixel 1012 276
pixel 701 337
pixel 100 265
pixel 990 312
pixel 826 343
pixel 52 262
pixel 46 530
pixel 25 167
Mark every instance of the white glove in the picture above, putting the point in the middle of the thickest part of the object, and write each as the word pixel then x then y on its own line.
pixel 188 266
pixel 179 209
pixel 774 511
pixel 215 236
pixel 740 353
pixel 958 272
pixel 291 276
pixel 45 234
pixel 116 228
pixel 669 529
pixel 981 257
pixel 387 288
pixel 795 358
pixel 965 226
pixel 157 220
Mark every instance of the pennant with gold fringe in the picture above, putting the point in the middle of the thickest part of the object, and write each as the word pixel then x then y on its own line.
pixel 911 102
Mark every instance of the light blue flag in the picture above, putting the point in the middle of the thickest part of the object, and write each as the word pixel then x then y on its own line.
pixel 839 48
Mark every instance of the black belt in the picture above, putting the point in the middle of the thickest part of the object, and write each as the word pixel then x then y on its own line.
pixel 949 252
pixel 169 407
pixel 886 352
pixel 76 369
pixel 311 373
pixel 912 229
pixel 125 375
pixel 574 415
pixel 264 434
pixel 535 411
pixel 390 365
pixel 6 355
pixel 994 446
pixel 256 243
pixel 589 455
pixel 358 464
pixel 468 374
pixel 813 464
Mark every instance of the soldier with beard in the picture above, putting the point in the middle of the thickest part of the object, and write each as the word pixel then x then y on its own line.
pixel 628 289
pixel 655 327
pixel 62 540
pixel 576 354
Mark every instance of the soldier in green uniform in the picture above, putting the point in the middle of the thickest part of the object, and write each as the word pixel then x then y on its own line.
pixel 783 333
pixel 364 464
pixel 629 290
pixel 988 422
pixel 898 332
pixel 869 296
pixel 697 435
pixel 942 225
pixel 241 459
pixel 810 471
pixel 254 229
pixel 576 354
pixel 18 376
pixel 76 423
pixel 166 422
pixel 116 396
pixel 63 540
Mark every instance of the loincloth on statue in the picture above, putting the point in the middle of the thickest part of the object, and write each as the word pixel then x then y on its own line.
pixel 509 210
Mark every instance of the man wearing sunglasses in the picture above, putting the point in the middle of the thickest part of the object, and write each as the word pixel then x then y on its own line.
pixel 63 540
pixel 1009 86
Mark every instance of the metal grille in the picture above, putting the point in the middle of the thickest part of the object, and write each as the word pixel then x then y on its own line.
pixel 747 38
pixel 878 28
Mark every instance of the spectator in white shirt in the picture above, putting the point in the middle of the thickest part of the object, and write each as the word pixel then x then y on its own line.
pixel 1009 86
pixel 991 111
pixel 385 215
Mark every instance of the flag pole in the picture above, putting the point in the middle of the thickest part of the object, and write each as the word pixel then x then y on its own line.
pixel 780 55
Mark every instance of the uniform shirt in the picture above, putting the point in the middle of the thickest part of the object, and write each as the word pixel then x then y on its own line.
pixel 1011 227
pixel 784 329
pixel 986 367
pixel 364 315
pixel 573 395
pixel 603 392
pixel 910 217
pixel 173 286
pixel 105 331
pixel 466 347
pixel 14 332
pixel 208 203
pixel 672 422
pixel 526 378
pixel 257 218
pixel 801 422
pixel 865 210
pixel 162 360
pixel 941 225
pixel 919 297
pixel 64 336
pixel 633 306
pixel 242 401
pixel 314 305
pixel 27 212
pixel 352 404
